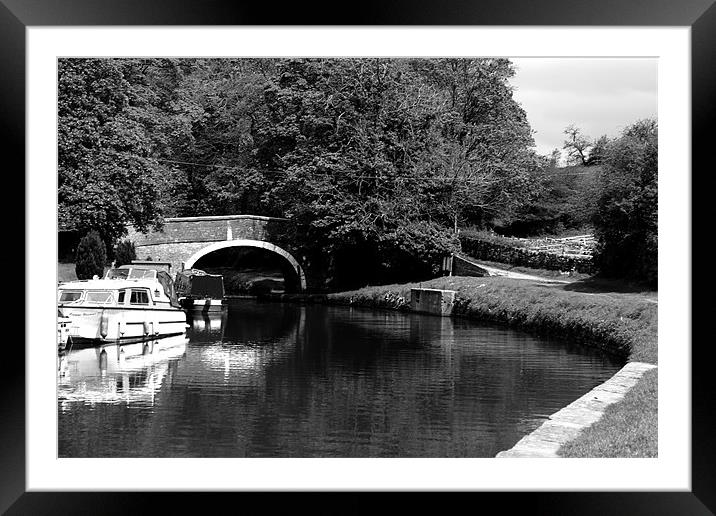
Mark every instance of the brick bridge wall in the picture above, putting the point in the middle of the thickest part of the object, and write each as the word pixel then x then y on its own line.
pixel 181 237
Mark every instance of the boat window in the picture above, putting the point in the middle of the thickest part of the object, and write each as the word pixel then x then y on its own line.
pixel 139 297
pixel 70 296
pixel 120 297
pixel 117 274
pixel 99 296
pixel 142 274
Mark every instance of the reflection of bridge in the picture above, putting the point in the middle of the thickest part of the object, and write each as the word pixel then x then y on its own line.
pixel 185 240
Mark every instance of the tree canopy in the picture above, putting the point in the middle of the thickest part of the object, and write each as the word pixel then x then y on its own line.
pixel 108 175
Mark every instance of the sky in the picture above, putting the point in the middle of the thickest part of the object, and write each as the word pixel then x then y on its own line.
pixel 598 95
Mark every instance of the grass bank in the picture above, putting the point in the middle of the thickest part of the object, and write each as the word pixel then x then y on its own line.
pixel 621 323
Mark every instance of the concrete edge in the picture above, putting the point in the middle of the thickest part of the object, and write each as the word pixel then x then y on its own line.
pixel 566 424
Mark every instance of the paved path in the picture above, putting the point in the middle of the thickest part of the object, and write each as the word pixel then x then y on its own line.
pixel 567 423
pixel 494 271
pixel 517 275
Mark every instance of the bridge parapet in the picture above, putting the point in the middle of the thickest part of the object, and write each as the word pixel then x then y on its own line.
pixel 210 229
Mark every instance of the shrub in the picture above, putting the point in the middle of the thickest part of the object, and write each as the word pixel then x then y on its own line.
pixel 124 253
pixel 91 256
pixel 626 220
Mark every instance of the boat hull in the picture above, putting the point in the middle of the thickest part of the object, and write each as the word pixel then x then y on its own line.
pixel 199 306
pixel 91 326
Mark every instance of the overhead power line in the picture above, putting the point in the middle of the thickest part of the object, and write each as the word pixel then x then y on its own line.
pixel 405 176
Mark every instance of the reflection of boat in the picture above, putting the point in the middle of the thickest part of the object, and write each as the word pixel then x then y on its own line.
pixel 199 291
pixel 117 372
pixel 113 357
pixel 245 364
pixel 130 304
pixel 207 327
pixel 63 328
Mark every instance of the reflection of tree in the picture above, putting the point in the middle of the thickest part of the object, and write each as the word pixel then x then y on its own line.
pixel 252 321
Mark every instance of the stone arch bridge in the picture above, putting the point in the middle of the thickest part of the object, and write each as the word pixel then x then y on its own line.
pixel 185 240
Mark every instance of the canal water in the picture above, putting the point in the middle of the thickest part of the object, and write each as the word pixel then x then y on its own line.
pixel 285 380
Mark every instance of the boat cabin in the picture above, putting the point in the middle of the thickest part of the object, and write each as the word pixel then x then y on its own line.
pixel 198 284
pixel 123 296
pixel 123 286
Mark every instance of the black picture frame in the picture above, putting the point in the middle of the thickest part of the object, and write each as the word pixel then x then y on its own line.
pixel 700 15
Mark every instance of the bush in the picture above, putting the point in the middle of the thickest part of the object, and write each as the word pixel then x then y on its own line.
pixel 91 256
pixel 124 253
pixel 626 220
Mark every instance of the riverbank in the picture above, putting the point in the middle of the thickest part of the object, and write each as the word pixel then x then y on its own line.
pixel 620 323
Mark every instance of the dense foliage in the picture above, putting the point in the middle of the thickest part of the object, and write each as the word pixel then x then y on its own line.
pixel 124 253
pixel 91 256
pixel 565 201
pixel 108 175
pixel 626 220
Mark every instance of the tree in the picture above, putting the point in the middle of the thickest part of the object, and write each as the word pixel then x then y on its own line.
pixel 124 253
pixel 218 102
pixel 597 154
pixel 108 173
pixel 342 140
pixel 91 256
pixel 482 150
pixel 555 158
pixel 577 146
pixel 626 220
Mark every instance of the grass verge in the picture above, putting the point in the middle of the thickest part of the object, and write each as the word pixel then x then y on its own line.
pixel 622 323
pixel 619 433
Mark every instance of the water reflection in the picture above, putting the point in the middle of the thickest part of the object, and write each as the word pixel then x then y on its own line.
pixel 284 380
pixel 207 327
pixel 114 373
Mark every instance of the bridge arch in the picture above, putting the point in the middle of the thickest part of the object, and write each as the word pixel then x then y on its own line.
pixel 189 263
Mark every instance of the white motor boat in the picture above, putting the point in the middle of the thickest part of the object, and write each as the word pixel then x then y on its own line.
pixel 130 304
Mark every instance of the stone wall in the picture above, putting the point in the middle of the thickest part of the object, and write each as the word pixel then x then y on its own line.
pixel 176 254
pixel 208 229
pixel 462 267
pixel 432 301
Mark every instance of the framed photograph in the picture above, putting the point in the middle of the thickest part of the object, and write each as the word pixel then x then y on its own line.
pixel 569 89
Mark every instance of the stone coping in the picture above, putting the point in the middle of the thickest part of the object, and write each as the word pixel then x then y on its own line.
pixel 221 217
pixel 565 424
